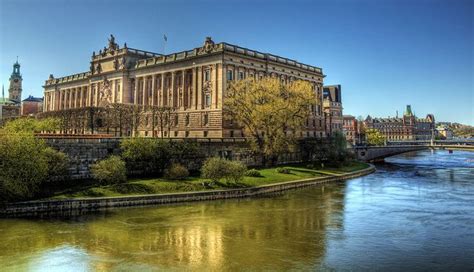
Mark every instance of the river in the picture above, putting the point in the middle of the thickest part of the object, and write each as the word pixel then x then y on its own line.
pixel 416 213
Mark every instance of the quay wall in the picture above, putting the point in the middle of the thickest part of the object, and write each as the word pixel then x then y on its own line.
pixel 78 206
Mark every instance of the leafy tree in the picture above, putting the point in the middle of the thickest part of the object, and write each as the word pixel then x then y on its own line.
pixel 110 171
pixel 23 165
pixel 32 125
pixel 26 162
pixel 271 112
pixel 374 137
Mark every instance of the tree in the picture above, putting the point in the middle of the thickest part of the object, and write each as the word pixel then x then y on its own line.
pixel 23 166
pixel 26 162
pixel 271 112
pixel 374 137
pixel 32 125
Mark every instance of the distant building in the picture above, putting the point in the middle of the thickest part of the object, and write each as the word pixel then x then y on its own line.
pixel 332 104
pixel 350 129
pixel 31 106
pixel 10 107
pixel 408 127
pixel 444 132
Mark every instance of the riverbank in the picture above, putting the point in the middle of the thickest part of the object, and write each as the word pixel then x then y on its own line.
pixel 249 187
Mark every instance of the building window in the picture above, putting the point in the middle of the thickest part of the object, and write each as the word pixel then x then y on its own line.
pixel 176 133
pixel 241 75
pixel 207 75
pixel 207 100
pixel 186 134
pixel 230 75
pixel 205 133
pixel 176 120
pixel 231 133
pixel 187 120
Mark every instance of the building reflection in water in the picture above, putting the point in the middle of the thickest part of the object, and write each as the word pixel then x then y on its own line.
pixel 279 232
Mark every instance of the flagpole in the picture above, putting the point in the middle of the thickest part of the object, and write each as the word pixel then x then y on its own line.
pixel 165 39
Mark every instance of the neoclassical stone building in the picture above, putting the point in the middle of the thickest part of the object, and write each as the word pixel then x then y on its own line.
pixel 192 82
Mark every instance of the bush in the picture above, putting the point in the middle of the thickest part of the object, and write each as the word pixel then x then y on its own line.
pixel 58 163
pixel 283 170
pixel 23 165
pixel 145 155
pixel 109 171
pixel 216 169
pixel 176 172
pixel 253 173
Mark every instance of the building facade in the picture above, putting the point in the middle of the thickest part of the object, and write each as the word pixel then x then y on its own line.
pixel 332 104
pixel 408 127
pixel 31 106
pixel 444 132
pixel 350 129
pixel 191 82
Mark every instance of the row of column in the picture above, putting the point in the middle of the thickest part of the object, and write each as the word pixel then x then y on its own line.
pixel 78 97
pixel 195 88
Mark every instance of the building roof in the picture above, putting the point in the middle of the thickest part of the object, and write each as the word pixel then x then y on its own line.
pixel 148 59
pixel 7 101
pixel 33 99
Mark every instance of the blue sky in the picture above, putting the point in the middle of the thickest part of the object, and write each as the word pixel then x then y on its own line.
pixel 386 54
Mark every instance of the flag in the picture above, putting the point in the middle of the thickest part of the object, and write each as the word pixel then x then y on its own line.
pixel 165 38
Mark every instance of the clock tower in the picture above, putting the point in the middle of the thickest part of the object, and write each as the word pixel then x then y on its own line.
pixel 15 83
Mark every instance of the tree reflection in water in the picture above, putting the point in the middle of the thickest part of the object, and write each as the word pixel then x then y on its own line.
pixel 266 233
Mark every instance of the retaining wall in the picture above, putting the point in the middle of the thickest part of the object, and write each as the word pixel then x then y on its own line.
pixel 78 206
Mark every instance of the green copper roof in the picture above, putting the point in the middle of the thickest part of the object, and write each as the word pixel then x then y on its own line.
pixel 408 111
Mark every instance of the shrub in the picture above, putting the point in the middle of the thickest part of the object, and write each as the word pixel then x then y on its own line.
pixel 235 171
pixel 149 156
pixel 176 172
pixel 23 165
pixel 283 170
pixel 216 169
pixel 253 173
pixel 58 163
pixel 110 170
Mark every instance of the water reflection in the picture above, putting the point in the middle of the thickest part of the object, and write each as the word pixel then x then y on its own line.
pixel 414 213
pixel 211 235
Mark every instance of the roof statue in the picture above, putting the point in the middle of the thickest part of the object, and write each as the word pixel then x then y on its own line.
pixel 112 44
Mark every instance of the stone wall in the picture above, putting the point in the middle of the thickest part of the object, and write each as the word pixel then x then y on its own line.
pixel 71 207
pixel 83 152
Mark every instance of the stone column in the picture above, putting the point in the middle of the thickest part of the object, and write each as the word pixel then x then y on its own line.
pixel 183 89
pixel 143 90
pixel 135 91
pixel 193 104
pixel 215 88
pixel 162 91
pixel 97 92
pixel 153 91
pixel 199 88
pixel 172 90
pixel 89 95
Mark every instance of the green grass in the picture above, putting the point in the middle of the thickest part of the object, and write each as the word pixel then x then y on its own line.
pixel 143 186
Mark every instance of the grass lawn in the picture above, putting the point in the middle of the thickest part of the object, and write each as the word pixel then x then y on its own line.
pixel 145 186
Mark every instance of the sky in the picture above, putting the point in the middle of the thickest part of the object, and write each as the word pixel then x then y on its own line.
pixel 385 54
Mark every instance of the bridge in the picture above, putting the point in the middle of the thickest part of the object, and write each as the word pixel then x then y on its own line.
pixel 379 153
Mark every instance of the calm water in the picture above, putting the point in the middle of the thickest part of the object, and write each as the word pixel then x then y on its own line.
pixel 415 213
